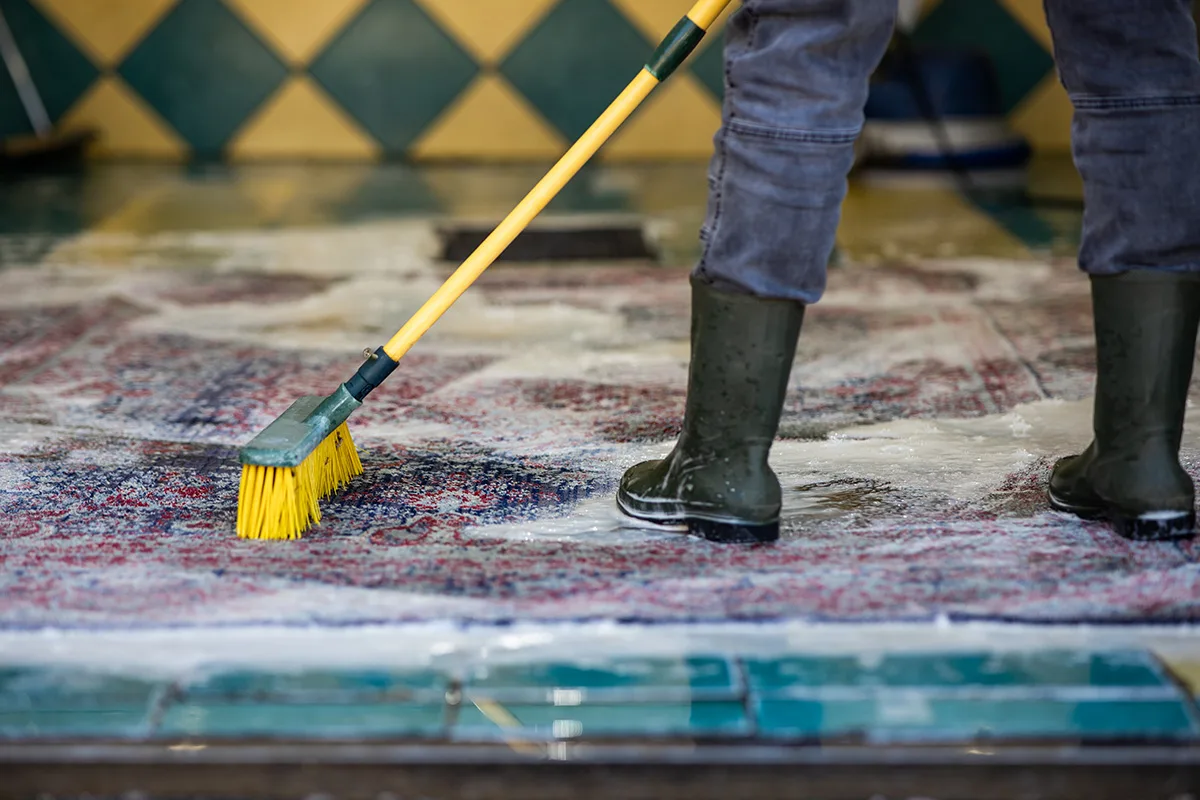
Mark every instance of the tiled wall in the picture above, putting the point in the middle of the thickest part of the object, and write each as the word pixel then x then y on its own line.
pixel 430 79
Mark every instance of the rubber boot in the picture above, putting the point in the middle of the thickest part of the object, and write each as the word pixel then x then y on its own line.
pixel 1145 344
pixel 716 480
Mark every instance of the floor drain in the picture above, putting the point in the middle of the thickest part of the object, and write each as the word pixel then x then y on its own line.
pixel 562 240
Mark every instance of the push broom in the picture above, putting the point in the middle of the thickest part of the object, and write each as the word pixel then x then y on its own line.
pixel 307 454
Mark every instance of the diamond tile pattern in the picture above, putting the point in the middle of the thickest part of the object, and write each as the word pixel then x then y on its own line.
pixel 204 72
pixel 398 74
pixel 573 64
pixel 395 70
pixel 59 70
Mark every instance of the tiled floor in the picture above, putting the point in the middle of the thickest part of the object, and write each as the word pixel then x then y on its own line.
pixel 958 689
pixel 914 698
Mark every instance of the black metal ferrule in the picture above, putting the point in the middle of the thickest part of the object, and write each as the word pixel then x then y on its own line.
pixel 675 48
pixel 373 372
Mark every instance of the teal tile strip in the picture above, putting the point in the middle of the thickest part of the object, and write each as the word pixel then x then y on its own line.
pixel 303 720
pixel 913 716
pixel 933 697
pixel 1033 670
pixel 629 680
pixel 549 722
pixel 319 686
pixel 54 703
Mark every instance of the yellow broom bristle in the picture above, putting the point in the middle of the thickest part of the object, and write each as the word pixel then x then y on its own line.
pixel 282 502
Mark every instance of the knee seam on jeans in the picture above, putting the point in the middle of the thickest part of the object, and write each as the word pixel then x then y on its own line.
pixel 834 136
pixel 1089 102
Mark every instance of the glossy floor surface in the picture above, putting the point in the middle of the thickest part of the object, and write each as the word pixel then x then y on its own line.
pixel 155 318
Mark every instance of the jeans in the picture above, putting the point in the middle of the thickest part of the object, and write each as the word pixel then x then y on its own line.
pixel 796 82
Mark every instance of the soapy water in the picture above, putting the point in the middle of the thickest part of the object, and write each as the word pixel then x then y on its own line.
pixel 867 472
pixel 833 478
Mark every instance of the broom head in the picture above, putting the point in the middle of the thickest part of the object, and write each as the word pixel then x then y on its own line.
pixel 299 459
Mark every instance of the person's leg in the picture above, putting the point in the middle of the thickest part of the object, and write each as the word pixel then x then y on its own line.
pixel 797 75
pixel 1133 74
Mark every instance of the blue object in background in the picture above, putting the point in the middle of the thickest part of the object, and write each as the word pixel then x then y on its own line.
pixel 938 109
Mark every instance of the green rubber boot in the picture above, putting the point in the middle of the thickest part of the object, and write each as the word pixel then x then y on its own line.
pixel 1146 326
pixel 717 481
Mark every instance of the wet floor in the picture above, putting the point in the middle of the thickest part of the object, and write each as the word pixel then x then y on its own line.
pixel 155 318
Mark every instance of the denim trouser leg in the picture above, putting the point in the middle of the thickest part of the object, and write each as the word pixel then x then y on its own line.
pixel 796 75
pixel 1133 75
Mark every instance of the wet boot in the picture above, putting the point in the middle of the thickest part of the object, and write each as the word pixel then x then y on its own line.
pixel 717 481
pixel 1145 344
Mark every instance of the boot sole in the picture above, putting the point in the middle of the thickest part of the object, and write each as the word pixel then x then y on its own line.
pixel 718 531
pixel 1158 527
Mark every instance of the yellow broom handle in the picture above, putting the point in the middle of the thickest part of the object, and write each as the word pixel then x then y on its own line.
pixel 673 50
pixel 705 12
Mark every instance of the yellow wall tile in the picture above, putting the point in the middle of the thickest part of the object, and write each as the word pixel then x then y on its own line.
pixel 127 127
pixel 1044 116
pixel 490 120
pixel 677 121
pixel 106 29
pixel 298 29
pixel 488 29
pixel 301 121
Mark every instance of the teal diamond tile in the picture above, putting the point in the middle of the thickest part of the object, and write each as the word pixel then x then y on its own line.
pixel 709 65
pixel 575 62
pixel 615 680
pixel 302 720
pixel 1021 61
pixel 706 719
pixel 915 716
pixel 319 686
pixel 394 70
pixel 62 703
pixel 204 72
pixel 59 71
pixel 1038 670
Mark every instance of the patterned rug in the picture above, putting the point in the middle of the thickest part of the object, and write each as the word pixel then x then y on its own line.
pixel 928 401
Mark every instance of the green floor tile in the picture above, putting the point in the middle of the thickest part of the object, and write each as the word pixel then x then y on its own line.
pixel 204 72
pixel 576 61
pixel 913 716
pixel 709 719
pixel 394 70
pixel 1132 670
pixel 617 680
pixel 302 721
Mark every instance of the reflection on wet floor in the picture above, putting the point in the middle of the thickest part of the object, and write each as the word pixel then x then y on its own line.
pixel 897 219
